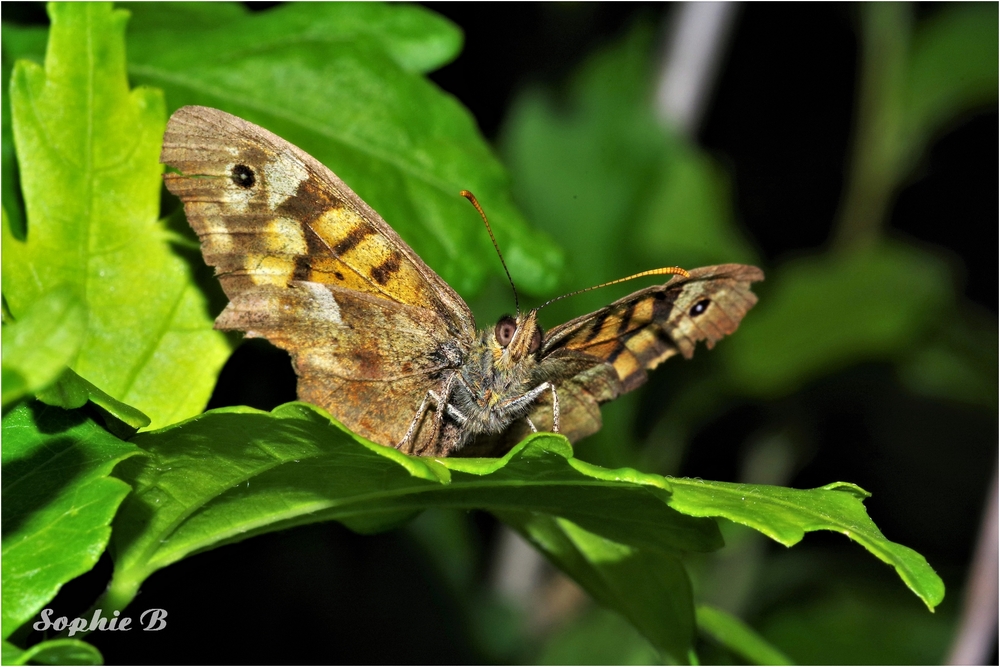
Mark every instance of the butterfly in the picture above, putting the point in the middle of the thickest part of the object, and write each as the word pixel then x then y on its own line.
pixel 378 339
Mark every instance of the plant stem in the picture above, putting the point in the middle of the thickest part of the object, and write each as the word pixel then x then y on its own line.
pixel 878 153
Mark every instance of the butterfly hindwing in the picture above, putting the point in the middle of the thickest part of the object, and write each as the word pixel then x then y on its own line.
pixel 599 356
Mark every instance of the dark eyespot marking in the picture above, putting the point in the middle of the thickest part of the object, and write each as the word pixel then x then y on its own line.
pixel 536 341
pixel 504 330
pixel 699 308
pixel 338 275
pixel 243 176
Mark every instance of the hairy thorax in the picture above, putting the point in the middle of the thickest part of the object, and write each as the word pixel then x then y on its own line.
pixel 493 381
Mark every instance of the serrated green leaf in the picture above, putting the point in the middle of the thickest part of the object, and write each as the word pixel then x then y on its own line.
pixel 88 152
pixel 353 100
pixel 785 515
pixel 60 652
pixel 820 314
pixel 650 589
pixel 58 503
pixel 45 339
pixel 952 67
pixel 17 42
pixel 738 637
pixel 231 474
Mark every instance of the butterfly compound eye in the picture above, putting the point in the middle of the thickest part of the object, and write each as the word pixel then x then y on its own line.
pixel 536 340
pixel 699 308
pixel 505 329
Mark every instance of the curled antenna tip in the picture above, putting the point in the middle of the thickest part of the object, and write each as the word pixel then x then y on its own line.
pixel 472 198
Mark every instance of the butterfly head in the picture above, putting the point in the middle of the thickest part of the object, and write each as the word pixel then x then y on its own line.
pixel 516 338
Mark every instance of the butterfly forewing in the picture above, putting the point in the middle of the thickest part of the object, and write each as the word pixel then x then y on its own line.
pixel 312 268
pixel 267 212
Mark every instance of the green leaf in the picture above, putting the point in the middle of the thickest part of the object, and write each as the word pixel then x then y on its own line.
pixel 599 637
pixel 738 637
pixel 59 652
pixel 342 81
pixel 849 626
pixel 149 18
pixel 58 503
pixel 785 515
pixel 958 363
pixel 45 339
pixel 231 474
pixel 820 314
pixel 72 391
pixel 17 42
pixel 596 170
pixel 952 67
pixel 416 39
pixel 651 589
pixel 88 152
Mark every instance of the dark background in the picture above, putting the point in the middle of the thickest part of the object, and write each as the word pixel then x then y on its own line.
pixel 780 121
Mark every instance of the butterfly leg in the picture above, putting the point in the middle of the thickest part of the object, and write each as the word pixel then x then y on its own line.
pixel 416 420
pixel 555 408
pixel 531 396
pixel 432 395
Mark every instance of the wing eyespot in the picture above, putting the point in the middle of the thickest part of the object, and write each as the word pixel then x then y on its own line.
pixel 504 331
pixel 243 176
pixel 699 308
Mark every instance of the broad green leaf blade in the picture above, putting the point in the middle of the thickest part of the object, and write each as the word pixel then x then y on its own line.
pixel 952 67
pixel 818 315
pixel 88 151
pixel 738 637
pixel 418 40
pixel 402 144
pixel 231 474
pixel 58 502
pixel 650 589
pixel 60 652
pixel 785 515
pixel 148 18
pixel 38 347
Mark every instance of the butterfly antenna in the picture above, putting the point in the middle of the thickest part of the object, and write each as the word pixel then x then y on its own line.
pixel 472 198
pixel 667 270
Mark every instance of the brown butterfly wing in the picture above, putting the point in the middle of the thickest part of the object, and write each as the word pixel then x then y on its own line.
pixel 599 356
pixel 308 265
